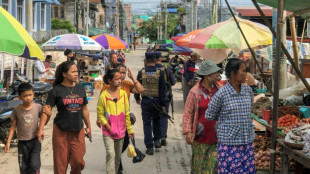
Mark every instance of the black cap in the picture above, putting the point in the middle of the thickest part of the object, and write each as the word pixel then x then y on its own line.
pixel 150 55
pixel 158 54
pixel 67 51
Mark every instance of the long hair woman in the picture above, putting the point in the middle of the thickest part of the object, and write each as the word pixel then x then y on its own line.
pixel 113 113
pixel 68 130
pixel 199 131
pixel 231 107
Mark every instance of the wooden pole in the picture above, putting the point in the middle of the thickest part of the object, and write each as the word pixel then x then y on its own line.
pixel 289 57
pixel 276 76
pixel 294 41
pixel 246 41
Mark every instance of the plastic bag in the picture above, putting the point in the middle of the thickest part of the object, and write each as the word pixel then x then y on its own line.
pixel 306 149
pixel 131 151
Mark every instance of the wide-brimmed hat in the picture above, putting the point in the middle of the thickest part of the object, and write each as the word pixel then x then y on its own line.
pixel 208 67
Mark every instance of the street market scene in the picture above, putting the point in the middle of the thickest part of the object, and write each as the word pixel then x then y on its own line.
pixel 158 86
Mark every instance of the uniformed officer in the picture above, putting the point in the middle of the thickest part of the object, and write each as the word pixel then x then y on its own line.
pixel 153 82
pixel 169 81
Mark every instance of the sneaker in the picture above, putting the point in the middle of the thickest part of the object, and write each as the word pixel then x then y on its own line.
pixel 157 144
pixel 163 142
pixel 150 151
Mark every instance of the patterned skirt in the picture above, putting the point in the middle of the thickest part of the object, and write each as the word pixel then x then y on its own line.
pixel 236 159
pixel 204 158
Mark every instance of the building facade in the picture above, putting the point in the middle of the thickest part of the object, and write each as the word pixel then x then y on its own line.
pixel 41 12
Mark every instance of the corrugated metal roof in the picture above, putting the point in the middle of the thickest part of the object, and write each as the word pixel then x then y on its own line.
pixel 250 11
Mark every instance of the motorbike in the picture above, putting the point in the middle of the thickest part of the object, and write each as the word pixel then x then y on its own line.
pixel 176 68
pixel 40 89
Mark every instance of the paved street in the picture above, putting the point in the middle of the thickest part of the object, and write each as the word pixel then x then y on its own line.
pixel 173 158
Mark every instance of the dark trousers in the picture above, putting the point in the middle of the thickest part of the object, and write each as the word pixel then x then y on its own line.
pixel 29 156
pixel 164 123
pixel 125 145
pixel 151 123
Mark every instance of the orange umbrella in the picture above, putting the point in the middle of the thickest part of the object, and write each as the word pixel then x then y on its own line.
pixel 183 41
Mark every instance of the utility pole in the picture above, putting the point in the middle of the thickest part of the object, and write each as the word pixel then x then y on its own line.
pixel 160 24
pixel 158 20
pixel 192 15
pixel 196 14
pixel 87 17
pixel 220 13
pixel 214 12
pixel 117 19
pixel 29 29
pixel 166 20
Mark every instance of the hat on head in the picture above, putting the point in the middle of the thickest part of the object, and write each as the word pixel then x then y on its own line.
pixel 150 55
pixel 208 67
pixel 157 54
pixel 67 51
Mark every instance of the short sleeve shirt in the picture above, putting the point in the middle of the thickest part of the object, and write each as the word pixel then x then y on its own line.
pixel 27 121
pixel 69 102
pixel 127 86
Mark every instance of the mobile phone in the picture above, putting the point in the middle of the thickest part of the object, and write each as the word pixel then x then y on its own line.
pixel 86 135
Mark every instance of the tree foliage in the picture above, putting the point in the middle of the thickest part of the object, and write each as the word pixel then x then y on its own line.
pixel 149 28
pixel 58 24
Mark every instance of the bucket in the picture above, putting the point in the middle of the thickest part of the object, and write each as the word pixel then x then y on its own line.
pixel 266 114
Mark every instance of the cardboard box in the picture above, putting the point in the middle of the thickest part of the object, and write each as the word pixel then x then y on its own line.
pixel 98 84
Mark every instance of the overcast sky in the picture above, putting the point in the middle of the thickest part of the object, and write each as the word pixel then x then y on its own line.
pixel 141 6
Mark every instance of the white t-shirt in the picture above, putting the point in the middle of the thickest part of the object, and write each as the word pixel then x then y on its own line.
pixel 39 70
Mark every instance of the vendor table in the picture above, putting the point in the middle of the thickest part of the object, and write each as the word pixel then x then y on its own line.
pixel 268 127
pixel 300 158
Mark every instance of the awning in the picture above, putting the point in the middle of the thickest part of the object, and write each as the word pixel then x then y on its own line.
pixel 294 6
pixel 47 1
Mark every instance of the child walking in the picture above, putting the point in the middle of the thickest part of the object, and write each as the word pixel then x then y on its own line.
pixel 113 112
pixel 26 117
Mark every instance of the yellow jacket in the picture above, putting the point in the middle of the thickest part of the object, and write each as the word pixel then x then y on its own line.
pixel 116 114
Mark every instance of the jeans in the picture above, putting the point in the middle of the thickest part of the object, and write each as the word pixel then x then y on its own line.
pixel 29 156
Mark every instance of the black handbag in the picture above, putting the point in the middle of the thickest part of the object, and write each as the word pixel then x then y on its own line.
pixel 140 156
pixel 132 118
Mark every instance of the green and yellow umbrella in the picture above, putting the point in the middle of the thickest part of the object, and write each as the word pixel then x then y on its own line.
pixel 15 40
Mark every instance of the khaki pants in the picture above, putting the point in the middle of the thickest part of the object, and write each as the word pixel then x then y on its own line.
pixel 113 153
pixel 68 147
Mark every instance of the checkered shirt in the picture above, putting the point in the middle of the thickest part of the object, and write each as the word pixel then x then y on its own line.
pixel 233 114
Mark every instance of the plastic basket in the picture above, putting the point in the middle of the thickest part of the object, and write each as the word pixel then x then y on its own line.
pixel 266 114
pixel 261 90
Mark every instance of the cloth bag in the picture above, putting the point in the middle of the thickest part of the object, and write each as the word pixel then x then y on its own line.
pixel 140 156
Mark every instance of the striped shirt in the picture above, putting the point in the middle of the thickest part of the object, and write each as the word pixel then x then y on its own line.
pixel 233 113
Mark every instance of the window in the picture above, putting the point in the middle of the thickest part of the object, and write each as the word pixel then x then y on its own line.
pixel 19 16
pixel 55 12
pixel 42 16
pixel 5 4
pixel 62 12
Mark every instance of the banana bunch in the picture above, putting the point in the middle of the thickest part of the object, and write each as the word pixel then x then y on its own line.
pixel 131 151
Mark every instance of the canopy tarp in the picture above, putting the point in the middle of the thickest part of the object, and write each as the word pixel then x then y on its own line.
pixel 291 5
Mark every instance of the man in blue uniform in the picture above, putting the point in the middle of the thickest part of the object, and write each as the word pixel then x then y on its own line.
pixel 169 81
pixel 189 75
pixel 153 81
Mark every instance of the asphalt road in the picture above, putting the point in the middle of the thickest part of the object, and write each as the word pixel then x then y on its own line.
pixel 174 158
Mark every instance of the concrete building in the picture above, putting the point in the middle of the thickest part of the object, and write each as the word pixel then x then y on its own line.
pixel 127 28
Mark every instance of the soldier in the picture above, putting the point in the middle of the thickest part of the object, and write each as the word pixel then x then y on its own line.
pixel 153 82
pixel 169 81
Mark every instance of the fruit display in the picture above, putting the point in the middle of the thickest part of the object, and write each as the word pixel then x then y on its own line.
pixel 261 143
pixel 287 120
pixel 302 122
pixel 262 160
pixel 289 110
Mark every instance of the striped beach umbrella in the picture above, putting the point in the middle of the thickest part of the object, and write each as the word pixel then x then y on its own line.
pixel 110 42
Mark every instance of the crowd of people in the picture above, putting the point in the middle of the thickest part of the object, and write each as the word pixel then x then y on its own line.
pixel 216 120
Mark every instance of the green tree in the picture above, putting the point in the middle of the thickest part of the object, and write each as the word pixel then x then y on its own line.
pixel 149 28
pixel 58 24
